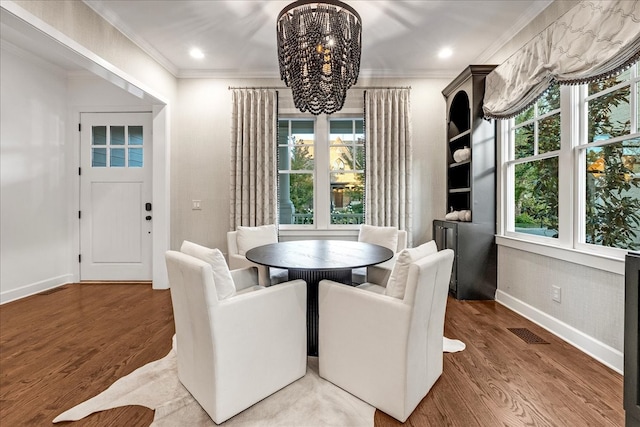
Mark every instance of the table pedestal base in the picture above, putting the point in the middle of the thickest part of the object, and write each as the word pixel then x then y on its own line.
pixel 313 277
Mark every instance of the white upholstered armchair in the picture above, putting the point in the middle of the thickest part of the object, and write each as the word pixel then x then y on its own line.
pixel 245 238
pixel 384 345
pixel 389 237
pixel 234 348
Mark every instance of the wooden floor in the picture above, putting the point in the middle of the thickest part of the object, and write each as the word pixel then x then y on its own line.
pixel 61 348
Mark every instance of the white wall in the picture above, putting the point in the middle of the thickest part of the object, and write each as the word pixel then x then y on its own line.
pixel 35 221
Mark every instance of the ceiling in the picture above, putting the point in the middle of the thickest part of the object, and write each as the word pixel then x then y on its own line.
pixel 238 37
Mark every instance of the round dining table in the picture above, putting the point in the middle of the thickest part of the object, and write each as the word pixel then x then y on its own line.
pixel 315 260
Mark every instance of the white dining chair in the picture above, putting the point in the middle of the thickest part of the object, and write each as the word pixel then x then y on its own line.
pixel 389 237
pixel 246 238
pixel 234 349
pixel 384 344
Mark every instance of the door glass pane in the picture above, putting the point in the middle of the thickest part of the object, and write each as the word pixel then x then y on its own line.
pixel 99 135
pixel 98 157
pixel 536 197
pixel 135 157
pixel 347 201
pixel 135 135
pixel 117 158
pixel 117 135
pixel 612 198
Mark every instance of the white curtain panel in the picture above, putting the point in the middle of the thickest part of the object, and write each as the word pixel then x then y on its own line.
pixel 388 158
pixel 593 40
pixel 253 188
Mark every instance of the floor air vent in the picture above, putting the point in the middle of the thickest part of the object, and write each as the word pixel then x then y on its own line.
pixel 527 336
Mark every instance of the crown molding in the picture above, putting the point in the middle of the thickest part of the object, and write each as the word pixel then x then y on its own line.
pixel 532 12
pixel 98 7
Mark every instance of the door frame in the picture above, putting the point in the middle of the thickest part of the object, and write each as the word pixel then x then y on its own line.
pixel 118 177
pixel 159 182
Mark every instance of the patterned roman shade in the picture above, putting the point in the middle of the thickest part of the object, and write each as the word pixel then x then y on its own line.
pixel 592 41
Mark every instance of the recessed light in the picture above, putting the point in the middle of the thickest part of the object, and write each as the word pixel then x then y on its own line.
pixel 445 52
pixel 196 53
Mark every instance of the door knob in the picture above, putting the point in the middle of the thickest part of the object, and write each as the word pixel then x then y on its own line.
pixel 148 217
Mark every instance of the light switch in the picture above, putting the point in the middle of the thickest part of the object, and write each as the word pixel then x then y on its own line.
pixel 196 205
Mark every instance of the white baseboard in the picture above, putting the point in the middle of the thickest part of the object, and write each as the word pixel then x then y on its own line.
pixel 34 288
pixel 600 351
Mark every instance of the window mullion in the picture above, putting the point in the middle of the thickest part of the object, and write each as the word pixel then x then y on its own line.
pixel 321 176
pixel 505 192
pixel 536 130
pixel 569 125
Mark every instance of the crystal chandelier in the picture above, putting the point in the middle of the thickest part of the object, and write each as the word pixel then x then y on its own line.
pixel 319 53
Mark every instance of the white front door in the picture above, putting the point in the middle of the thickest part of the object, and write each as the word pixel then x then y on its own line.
pixel 115 196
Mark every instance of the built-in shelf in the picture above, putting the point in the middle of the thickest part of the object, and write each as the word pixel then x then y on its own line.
pixel 470 186
pixel 455 165
pixel 459 190
pixel 461 135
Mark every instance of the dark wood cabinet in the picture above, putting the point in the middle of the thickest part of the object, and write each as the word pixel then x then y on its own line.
pixel 474 267
pixel 631 341
pixel 471 186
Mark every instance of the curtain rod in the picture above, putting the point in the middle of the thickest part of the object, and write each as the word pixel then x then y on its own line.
pixel 354 87
pixel 257 87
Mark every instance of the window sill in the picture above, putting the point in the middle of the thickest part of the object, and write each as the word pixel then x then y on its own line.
pixel 313 233
pixel 601 262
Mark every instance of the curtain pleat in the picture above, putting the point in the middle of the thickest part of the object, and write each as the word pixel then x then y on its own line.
pixel 388 158
pixel 592 41
pixel 253 187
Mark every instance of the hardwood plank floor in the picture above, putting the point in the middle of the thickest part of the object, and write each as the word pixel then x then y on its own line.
pixel 61 348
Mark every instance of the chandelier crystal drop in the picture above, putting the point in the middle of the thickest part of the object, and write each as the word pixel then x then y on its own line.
pixel 319 46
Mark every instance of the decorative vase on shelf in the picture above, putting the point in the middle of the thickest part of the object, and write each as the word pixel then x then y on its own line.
pixel 462 155
pixel 463 216
pixel 452 216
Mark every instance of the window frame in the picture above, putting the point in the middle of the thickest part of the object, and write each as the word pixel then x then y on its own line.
pixel 321 174
pixel 582 145
pixel 511 162
pixel 570 244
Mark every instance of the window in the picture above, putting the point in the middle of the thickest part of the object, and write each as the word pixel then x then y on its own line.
pixel 609 154
pixel 346 166
pixel 572 167
pixel 116 146
pixel 321 171
pixel 534 163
